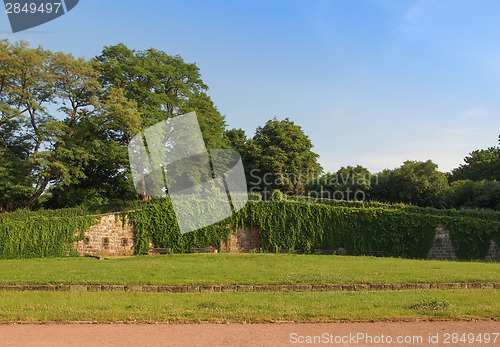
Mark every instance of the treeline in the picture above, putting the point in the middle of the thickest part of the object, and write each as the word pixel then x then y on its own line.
pixel 66 122
pixel 279 157
pixel 474 184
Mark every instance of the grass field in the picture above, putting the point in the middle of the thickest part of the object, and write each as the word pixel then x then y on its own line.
pixel 248 307
pixel 256 269
pixel 249 269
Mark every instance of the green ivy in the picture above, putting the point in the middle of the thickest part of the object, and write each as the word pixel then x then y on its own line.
pixel 471 237
pixel 40 236
pixel 158 223
pixel 292 225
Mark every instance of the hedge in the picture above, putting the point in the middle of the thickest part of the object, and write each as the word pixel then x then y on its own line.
pixel 286 225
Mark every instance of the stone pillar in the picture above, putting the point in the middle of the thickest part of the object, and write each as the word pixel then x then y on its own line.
pixel 494 252
pixel 442 247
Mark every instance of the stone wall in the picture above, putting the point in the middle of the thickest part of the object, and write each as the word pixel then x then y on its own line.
pixel 243 240
pixel 109 237
pixel 442 247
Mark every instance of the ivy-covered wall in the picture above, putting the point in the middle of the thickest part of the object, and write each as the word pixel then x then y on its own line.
pixel 41 236
pixel 281 225
pixel 289 225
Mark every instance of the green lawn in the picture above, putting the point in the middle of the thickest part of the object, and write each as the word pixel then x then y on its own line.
pixel 256 269
pixel 248 307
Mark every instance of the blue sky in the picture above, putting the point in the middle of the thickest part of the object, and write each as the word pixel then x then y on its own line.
pixel 371 82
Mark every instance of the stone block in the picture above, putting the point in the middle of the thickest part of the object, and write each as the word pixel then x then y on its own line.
pixel 302 288
pixel 244 288
pixel 133 288
pixel 361 287
pixel 318 288
pixel 474 285
pixel 228 288
pixel 333 287
pixel 206 289
pixel 150 289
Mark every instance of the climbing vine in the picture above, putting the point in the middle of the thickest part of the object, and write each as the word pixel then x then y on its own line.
pixel 293 225
pixel 471 237
pixel 399 231
pixel 41 236
pixel 157 223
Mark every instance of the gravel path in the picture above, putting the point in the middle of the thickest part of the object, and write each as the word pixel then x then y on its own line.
pixel 285 334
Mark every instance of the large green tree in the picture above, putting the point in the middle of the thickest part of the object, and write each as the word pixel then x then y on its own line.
pixel 479 165
pixel 415 182
pixel 161 86
pixel 45 97
pixel 139 89
pixel 65 122
pixel 280 157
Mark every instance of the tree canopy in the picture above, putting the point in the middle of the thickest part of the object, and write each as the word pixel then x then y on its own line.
pixel 65 122
pixel 279 156
pixel 479 165
pixel 415 182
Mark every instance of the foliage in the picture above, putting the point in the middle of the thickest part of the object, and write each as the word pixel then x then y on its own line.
pixel 65 122
pixel 348 184
pixel 415 182
pixel 37 148
pixel 480 165
pixel 280 157
pixel 463 212
pixel 475 194
pixel 38 237
pixel 286 225
pixel 471 237
pixel 296 225
pixel 237 139
pixel 78 211
pixel 158 223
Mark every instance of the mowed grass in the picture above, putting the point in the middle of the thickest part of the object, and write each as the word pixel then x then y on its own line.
pixel 247 307
pixel 243 269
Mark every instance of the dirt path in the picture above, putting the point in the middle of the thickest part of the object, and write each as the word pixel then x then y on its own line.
pixel 251 334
